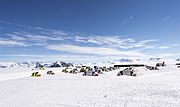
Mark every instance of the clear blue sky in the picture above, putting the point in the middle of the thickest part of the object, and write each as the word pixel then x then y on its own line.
pixel 88 29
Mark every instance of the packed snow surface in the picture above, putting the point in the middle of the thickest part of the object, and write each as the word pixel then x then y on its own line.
pixel 159 88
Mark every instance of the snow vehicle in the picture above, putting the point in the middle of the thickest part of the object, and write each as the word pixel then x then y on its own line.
pixel 70 70
pixel 85 68
pixel 111 68
pixel 67 70
pixel 74 71
pixel 160 64
pixel 99 71
pixel 36 74
pixel 178 65
pixel 152 68
pixel 50 73
pixel 42 68
pixel 128 71
pixel 90 73
pixel 104 69
pixel 96 67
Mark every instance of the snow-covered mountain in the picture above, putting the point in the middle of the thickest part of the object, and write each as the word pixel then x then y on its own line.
pixel 124 60
pixel 8 64
pixel 61 64
pixel 35 64
pixel 154 59
pixel 178 59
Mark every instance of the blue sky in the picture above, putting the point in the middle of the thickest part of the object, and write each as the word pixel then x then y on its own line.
pixel 88 30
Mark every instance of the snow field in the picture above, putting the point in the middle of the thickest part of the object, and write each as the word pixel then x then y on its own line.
pixel 149 89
